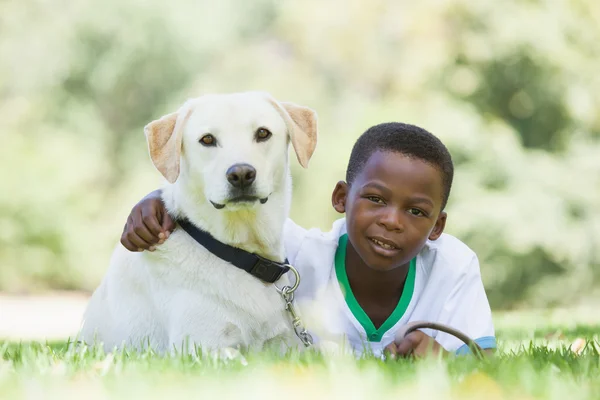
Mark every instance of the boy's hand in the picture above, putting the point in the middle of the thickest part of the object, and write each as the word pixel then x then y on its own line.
pixel 148 224
pixel 415 343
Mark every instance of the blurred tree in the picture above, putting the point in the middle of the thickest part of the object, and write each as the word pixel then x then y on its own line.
pixel 524 91
pixel 513 91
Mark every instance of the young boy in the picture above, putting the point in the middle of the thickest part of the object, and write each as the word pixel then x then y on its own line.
pixel 388 261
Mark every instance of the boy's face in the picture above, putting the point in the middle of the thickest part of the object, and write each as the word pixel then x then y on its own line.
pixel 392 208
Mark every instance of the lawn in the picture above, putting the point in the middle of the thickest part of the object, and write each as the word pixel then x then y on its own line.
pixel 534 361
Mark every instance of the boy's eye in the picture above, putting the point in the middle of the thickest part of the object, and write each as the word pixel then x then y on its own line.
pixel 374 199
pixel 416 212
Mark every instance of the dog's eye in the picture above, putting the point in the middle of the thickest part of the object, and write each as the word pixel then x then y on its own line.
pixel 262 134
pixel 208 140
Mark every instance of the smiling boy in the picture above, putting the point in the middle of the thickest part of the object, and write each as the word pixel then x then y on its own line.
pixel 388 261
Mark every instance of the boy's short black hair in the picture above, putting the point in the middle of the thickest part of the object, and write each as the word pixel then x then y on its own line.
pixel 406 139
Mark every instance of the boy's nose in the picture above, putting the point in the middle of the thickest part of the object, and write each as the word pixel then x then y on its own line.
pixel 393 221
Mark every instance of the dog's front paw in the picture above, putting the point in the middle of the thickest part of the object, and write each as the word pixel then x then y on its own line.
pixel 229 354
pixel 329 348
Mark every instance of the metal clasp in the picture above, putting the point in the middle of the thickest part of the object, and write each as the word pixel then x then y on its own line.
pixel 287 293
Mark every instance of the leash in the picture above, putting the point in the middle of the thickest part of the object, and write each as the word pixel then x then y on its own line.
pixel 287 293
pixel 266 270
pixel 413 326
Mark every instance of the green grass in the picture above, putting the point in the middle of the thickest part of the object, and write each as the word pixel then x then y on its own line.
pixel 535 363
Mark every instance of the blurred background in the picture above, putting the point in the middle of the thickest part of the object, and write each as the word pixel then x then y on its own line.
pixel 512 88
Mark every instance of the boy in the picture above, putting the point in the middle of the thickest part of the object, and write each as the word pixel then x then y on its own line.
pixel 388 261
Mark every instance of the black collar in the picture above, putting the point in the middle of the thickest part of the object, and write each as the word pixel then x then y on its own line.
pixel 257 266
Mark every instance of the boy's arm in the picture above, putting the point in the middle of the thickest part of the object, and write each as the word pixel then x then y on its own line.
pixel 467 309
pixel 419 344
pixel 416 344
pixel 148 224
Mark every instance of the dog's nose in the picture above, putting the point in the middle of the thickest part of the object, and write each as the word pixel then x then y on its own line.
pixel 241 175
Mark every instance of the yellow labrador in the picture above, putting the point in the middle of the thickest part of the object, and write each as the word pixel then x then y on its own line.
pixel 225 159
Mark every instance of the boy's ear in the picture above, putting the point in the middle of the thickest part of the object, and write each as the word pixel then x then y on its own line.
pixel 439 226
pixel 338 197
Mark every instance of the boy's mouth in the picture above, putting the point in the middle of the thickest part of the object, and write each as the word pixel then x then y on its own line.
pixel 386 244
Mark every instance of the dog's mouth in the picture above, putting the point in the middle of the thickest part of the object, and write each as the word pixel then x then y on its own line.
pixel 240 200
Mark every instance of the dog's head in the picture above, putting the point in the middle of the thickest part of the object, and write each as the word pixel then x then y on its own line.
pixel 232 146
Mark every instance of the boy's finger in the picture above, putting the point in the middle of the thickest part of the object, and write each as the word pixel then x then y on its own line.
pixel 427 347
pixel 127 244
pixel 404 348
pixel 138 226
pixel 152 223
pixel 408 344
pixel 139 243
pixel 168 224
pixel 145 234
pixel 124 236
pixel 391 350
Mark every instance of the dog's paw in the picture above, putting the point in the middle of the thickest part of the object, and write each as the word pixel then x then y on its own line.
pixel 329 348
pixel 334 349
pixel 229 354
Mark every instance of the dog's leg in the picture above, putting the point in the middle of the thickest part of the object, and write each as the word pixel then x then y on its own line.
pixel 122 317
pixel 228 354
pixel 188 345
pixel 203 330
pixel 97 324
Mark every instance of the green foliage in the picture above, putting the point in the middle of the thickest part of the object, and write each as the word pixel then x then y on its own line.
pixel 512 90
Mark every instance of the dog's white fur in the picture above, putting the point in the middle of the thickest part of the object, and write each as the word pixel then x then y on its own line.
pixel 181 296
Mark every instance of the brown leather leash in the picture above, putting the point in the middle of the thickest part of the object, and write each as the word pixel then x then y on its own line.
pixel 413 326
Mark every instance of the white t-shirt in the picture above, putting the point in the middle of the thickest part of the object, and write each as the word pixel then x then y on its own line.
pixel 443 285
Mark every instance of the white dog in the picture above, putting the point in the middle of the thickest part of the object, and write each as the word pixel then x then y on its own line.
pixel 225 158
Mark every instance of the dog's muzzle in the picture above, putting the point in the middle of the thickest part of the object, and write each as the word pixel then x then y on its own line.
pixel 241 177
pixel 240 199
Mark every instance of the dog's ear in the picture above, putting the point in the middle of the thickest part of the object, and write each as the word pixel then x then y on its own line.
pixel 302 126
pixel 164 138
